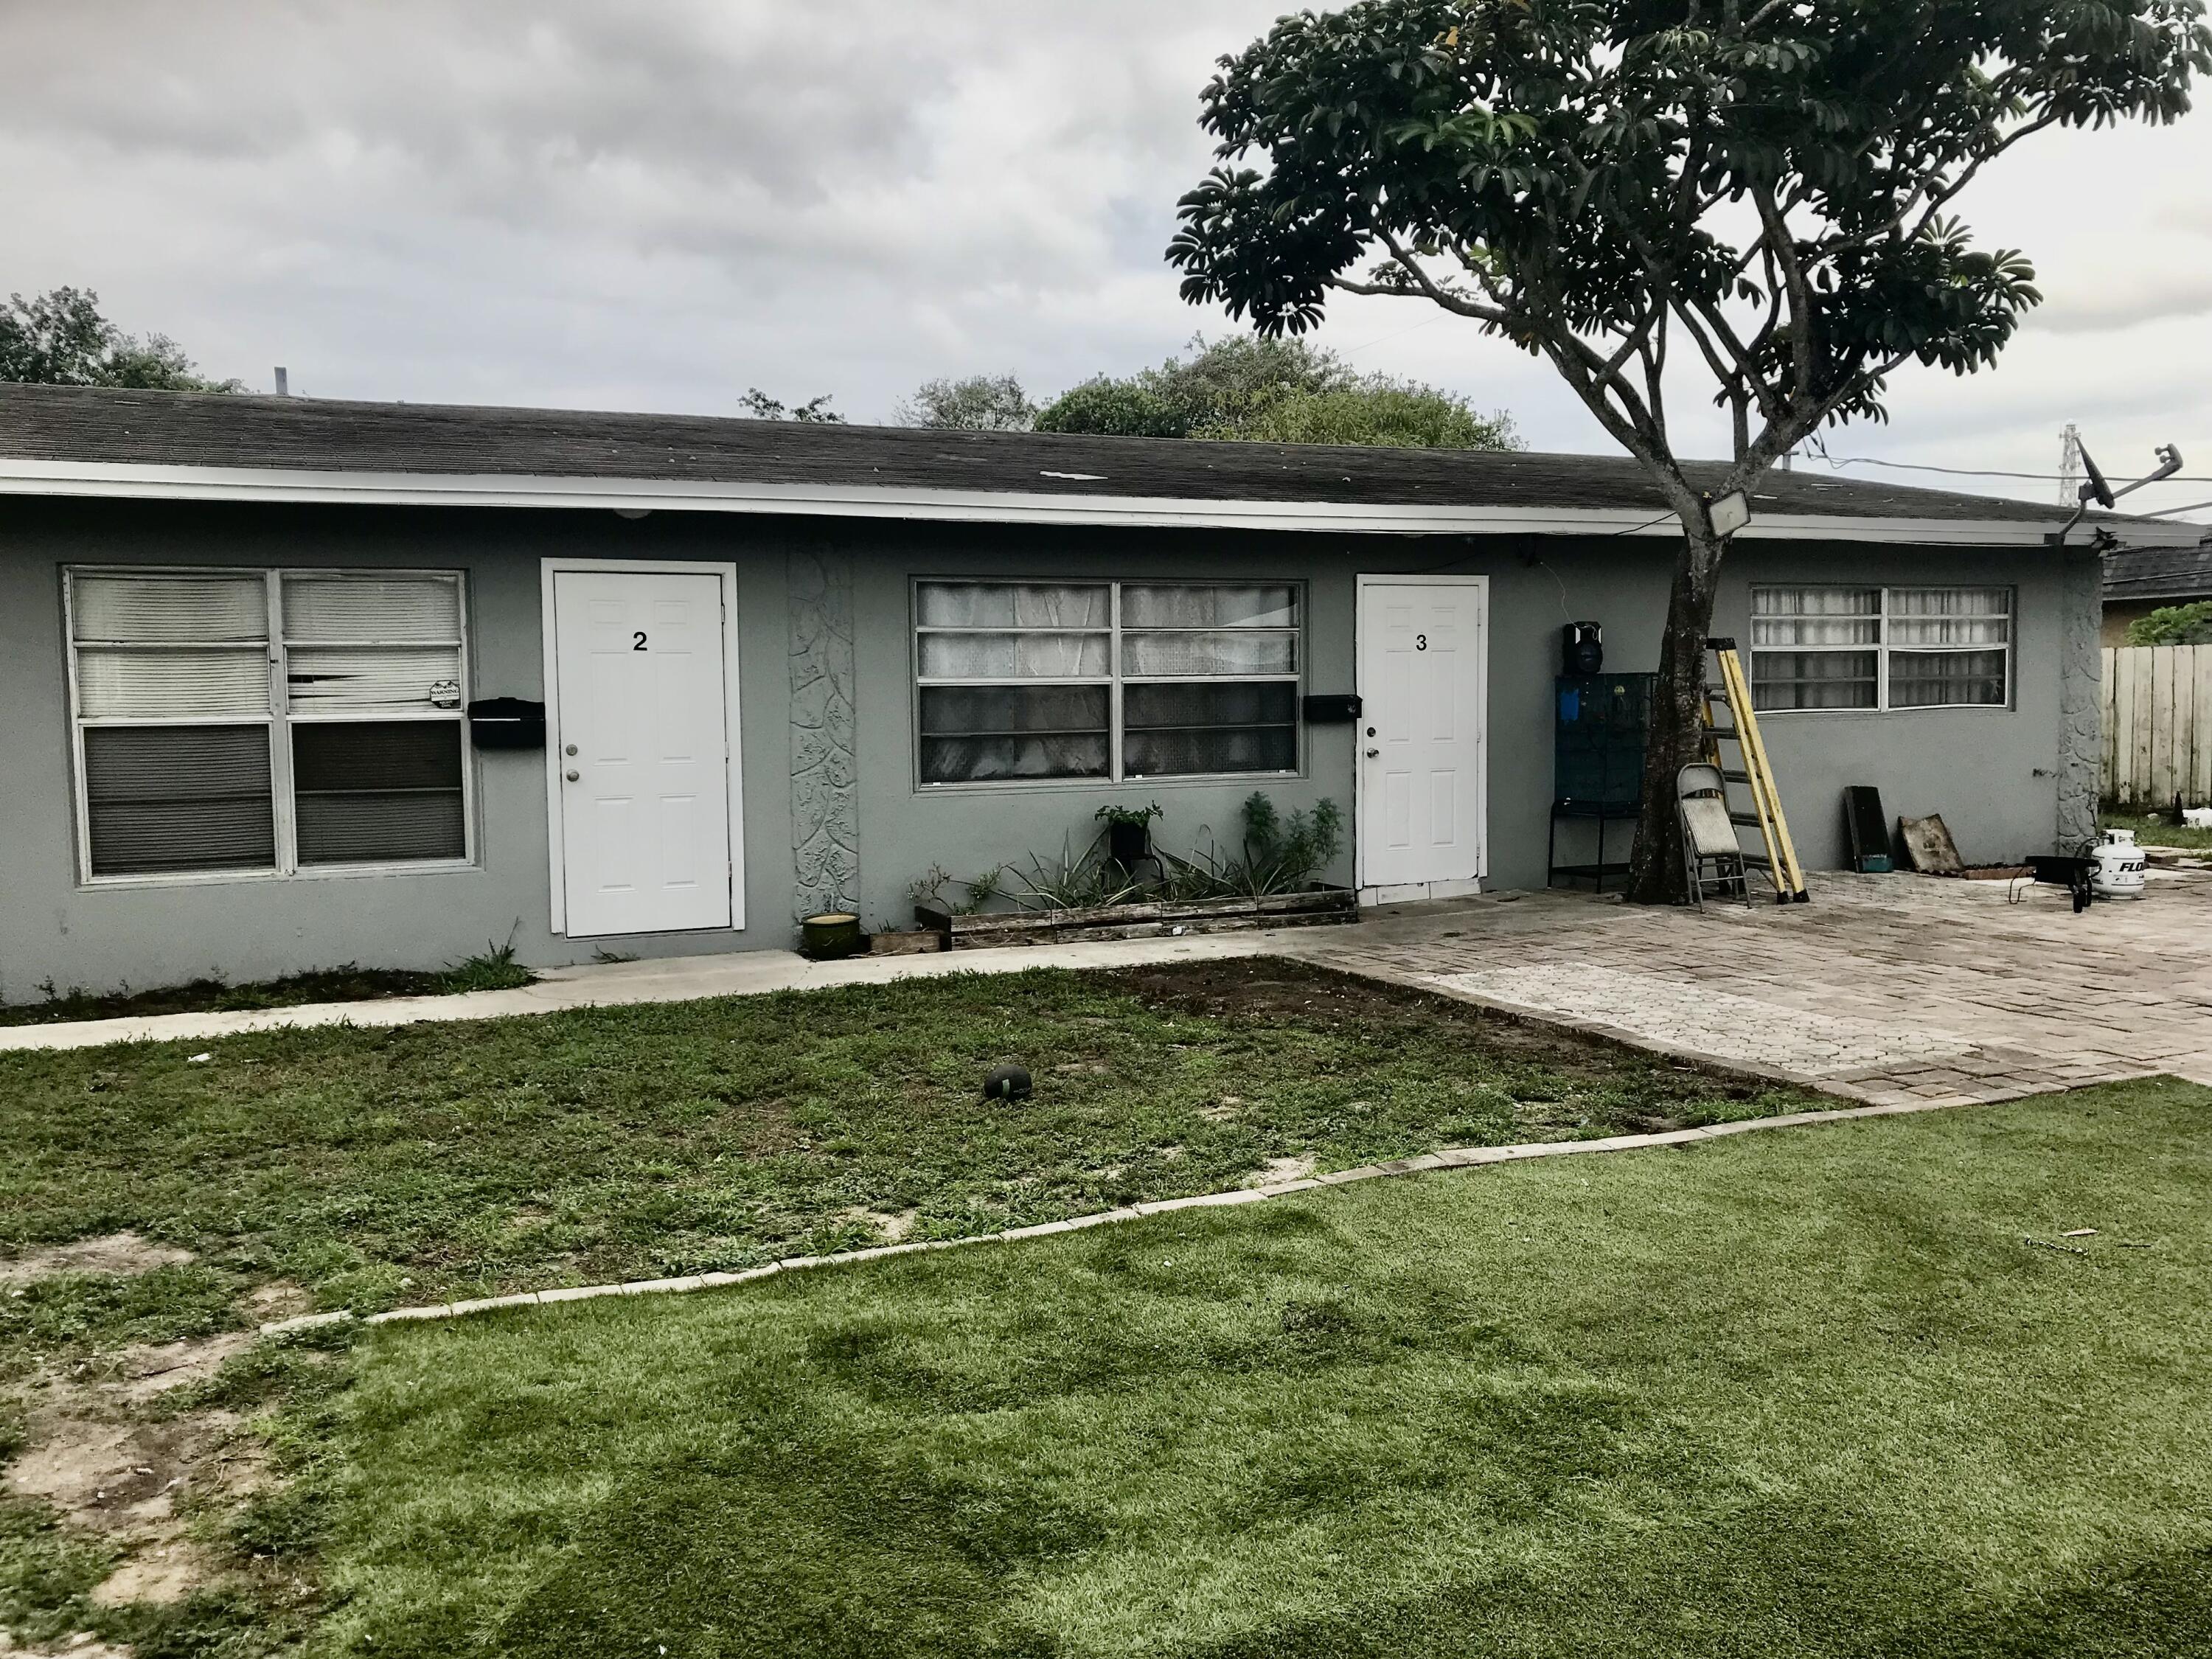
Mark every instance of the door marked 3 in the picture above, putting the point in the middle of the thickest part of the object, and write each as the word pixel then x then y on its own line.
pixel 1422 650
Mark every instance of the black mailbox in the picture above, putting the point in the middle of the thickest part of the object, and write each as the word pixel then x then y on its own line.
pixel 506 723
pixel 1332 709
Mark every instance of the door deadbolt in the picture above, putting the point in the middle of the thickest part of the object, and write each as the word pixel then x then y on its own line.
pixel 571 748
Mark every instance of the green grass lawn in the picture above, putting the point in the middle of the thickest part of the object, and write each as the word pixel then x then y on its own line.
pixel 2158 832
pixel 1813 1392
pixel 427 1162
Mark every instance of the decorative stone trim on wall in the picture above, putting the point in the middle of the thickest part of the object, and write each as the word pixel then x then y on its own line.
pixel 825 801
pixel 2080 702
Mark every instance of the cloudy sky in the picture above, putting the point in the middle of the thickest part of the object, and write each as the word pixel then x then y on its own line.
pixel 657 206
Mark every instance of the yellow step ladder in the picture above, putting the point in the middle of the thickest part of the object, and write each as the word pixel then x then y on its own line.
pixel 1729 690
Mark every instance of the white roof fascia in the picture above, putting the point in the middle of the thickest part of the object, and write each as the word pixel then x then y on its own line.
pixel 159 483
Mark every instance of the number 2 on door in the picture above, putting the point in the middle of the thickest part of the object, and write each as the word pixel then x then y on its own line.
pixel 637 642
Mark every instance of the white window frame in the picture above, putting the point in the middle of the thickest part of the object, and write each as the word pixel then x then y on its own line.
pixel 278 722
pixel 1881 649
pixel 1113 679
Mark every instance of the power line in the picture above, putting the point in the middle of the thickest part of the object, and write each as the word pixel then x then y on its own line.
pixel 1394 334
pixel 1840 461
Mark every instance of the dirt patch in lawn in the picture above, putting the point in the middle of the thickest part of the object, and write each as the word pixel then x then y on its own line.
pixel 1261 989
pixel 1542 1070
pixel 103 1449
pixel 113 1252
pixel 98 1451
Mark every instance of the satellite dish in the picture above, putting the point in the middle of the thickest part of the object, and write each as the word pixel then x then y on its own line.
pixel 2096 489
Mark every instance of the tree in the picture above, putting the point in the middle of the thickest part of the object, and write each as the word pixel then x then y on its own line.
pixel 815 410
pixel 1399 414
pixel 1114 408
pixel 1226 382
pixel 1274 389
pixel 2174 624
pixel 60 339
pixel 979 403
pixel 1758 185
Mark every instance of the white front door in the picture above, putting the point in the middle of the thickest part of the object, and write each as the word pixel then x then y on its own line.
pixel 642 751
pixel 1422 654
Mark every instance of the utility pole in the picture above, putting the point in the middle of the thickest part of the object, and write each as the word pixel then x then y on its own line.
pixel 2070 466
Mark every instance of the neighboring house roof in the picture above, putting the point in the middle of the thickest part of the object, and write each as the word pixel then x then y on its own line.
pixel 2160 572
pixel 78 440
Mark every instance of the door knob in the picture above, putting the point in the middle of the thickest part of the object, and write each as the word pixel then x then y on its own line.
pixel 1371 754
pixel 572 776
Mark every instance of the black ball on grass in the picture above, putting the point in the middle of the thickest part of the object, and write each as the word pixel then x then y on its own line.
pixel 1008 1083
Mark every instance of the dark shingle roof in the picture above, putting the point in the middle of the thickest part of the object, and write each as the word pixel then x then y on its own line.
pixel 2159 572
pixel 79 424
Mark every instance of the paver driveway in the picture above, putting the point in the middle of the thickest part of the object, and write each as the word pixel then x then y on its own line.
pixel 1888 988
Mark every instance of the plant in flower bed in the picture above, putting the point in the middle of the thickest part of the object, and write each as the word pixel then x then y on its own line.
pixel 1279 855
pixel 1276 855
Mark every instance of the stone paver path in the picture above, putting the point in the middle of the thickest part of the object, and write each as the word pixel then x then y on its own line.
pixel 1891 989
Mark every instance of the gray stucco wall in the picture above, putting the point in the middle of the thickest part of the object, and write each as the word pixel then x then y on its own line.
pixel 1994 774
pixel 154 933
pixel 831 806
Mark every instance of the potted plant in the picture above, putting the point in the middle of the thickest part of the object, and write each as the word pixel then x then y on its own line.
pixel 1128 833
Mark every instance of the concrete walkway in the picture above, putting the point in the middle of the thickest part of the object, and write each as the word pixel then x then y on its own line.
pixel 669 979
pixel 1895 990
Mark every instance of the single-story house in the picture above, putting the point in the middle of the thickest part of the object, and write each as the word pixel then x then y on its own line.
pixel 2141 579
pixel 247 645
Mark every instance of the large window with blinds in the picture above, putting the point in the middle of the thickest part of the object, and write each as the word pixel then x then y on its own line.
pixel 271 722
pixel 1111 680
pixel 1881 648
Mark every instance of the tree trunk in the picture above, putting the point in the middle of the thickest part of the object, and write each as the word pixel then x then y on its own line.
pixel 1677 736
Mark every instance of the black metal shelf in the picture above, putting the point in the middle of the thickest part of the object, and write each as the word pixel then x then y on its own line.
pixel 1597 763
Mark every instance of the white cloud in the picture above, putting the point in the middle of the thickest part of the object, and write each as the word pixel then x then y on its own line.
pixel 655 207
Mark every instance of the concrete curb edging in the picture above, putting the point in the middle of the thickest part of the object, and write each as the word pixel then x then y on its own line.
pixel 1459 1157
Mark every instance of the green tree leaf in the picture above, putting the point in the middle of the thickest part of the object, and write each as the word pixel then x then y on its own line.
pixel 60 339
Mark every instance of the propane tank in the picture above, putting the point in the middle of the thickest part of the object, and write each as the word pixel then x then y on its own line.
pixel 2120 873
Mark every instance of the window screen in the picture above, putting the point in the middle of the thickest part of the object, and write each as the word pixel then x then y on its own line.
pixel 1105 679
pixel 1876 647
pixel 173 689
pixel 373 793
pixel 1949 646
pixel 162 798
pixel 198 724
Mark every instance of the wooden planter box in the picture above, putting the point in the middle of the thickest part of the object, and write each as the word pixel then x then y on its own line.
pixel 1151 919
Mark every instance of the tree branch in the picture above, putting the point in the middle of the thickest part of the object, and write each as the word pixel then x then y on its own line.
pixel 1445 298
pixel 1792 279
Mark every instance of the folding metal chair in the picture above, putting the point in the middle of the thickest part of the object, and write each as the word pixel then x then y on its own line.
pixel 1711 856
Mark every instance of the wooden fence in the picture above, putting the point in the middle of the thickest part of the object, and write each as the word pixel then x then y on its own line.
pixel 2158 725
